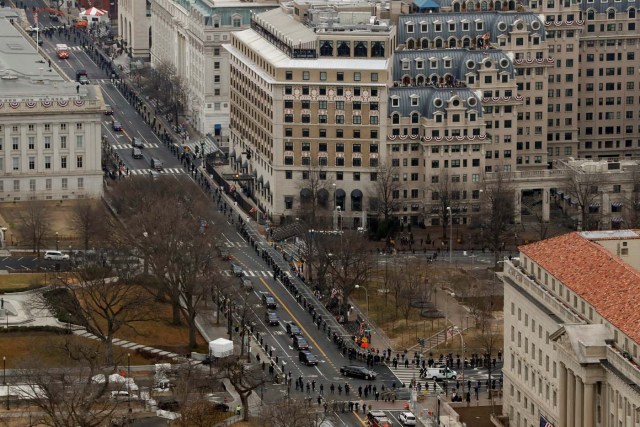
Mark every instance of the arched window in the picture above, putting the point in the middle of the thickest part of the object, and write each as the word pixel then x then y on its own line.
pixel 466 42
pixel 377 49
pixel 420 80
pixel 326 48
pixel 415 118
pixel 411 44
pixel 591 14
pixel 395 119
pixel 611 13
pixel 425 43
pixel 438 43
pixel 344 49
pixel 456 7
pixel 452 42
pixel 632 13
pixel 360 50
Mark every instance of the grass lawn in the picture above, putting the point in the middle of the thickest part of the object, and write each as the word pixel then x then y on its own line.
pixel 21 281
pixel 46 348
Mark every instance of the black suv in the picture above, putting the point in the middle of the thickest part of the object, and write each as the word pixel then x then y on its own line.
pixel 300 343
pixel 358 372
pixel 307 358
pixel 293 329
pixel 137 142
pixel 271 317
pixel 269 301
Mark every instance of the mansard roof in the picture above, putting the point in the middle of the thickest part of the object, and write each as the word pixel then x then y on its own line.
pixel 463 61
pixel 431 100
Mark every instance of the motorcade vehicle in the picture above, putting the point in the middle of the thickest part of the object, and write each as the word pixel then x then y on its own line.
pixel 269 301
pixel 271 318
pixel 300 342
pixel 358 372
pixel 308 358
pixel 293 329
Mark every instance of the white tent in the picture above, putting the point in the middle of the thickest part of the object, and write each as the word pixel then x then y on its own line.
pixel 94 14
pixel 221 348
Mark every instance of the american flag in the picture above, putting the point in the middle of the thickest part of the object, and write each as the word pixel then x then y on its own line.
pixel 544 422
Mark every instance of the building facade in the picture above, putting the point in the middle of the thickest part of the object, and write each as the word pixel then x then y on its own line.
pixel 309 106
pixel 190 35
pixel 50 128
pixel 570 331
pixel 134 26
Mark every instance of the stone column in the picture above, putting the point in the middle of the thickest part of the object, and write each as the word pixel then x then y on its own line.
pixel 579 402
pixel 545 205
pixel 517 204
pixel 562 402
pixel 571 398
pixel 589 405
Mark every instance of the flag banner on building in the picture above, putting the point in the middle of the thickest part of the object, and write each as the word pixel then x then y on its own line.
pixel 544 422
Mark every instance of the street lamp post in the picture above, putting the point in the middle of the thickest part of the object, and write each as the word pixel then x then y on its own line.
pixel 4 369
pixel 366 293
pixel 129 379
pixel 450 233
pixel 459 332
pixel 57 241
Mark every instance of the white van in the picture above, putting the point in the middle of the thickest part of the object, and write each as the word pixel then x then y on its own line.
pixel 441 374
pixel 56 256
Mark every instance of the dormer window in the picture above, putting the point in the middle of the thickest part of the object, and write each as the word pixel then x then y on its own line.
pixel 452 26
pixel 433 63
pixel 405 64
pixel 438 28
pixel 419 64
pixel 415 100
pixel 423 27
pixel 410 27
pixel 395 102
pixel 447 63
pixel 479 26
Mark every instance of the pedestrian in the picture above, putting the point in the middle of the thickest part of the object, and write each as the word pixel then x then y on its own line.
pixel 321 390
pixel 238 409
pixel 468 399
pixel 377 396
pixel 332 388
pixel 476 390
pixel 339 390
pixel 360 391
pixel 406 362
pixel 319 400
pixel 313 385
pixel 346 389
pixel 308 387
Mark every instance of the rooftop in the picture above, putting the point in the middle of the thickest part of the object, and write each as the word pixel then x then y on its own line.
pixel 24 73
pixel 605 281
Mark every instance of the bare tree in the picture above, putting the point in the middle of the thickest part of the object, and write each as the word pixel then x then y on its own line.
pixel 107 303
pixel 89 220
pixel 349 261
pixel 632 201
pixel 170 225
pixel 497 212
pixel 243 377
pixel 447 193
pixel 314 196
pixel 386 193
pixel 292 413
pixel 582 187
pixel 164 84
pixel 34 223
pixel 540 225
pixel 70 397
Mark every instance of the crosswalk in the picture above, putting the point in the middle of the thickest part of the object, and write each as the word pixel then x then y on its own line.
pixel 208 146
pixel 165 171
pixel 250 273
pixel 129 146
pixel 406 375
pixel 71 48
pixel 236 244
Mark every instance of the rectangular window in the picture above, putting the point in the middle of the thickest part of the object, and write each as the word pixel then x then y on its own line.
pixel 80 183
pixel 63 162
pixel 32 163
pixel 63 142
pixel 65 183
pixel 48 183
pixel 79 162
pixel 15 163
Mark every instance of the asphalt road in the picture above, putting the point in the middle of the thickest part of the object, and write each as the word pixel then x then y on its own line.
pixel 132 122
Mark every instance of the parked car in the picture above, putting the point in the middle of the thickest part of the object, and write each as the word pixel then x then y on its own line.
pixel 56 256
pixel 306 357
pixel 358 372
pixel 407 419
pixel 116 125
pixel 269 301
pixel 271 318
pixel 293 329
pixel 156 164
pixel 300 343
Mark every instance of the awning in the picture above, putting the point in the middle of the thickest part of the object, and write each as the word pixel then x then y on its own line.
pixel 617 205
pixel 245 164
pixel 356 194
pixel 566 197
pixel 306 193
pixel 616 219
pixel 267 186
pixel 217 126
pixel 233 153
pixel 340 194
pixel 254 173
pixel 260 179
pixel 594 205
pixel 238 159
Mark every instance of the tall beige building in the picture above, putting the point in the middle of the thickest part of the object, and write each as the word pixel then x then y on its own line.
pixel 571 331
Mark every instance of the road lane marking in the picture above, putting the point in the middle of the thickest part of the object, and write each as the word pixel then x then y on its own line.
pixel 362 421
pixel 313 341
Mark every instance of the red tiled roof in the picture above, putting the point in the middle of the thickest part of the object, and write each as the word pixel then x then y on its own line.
pixel 606 282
